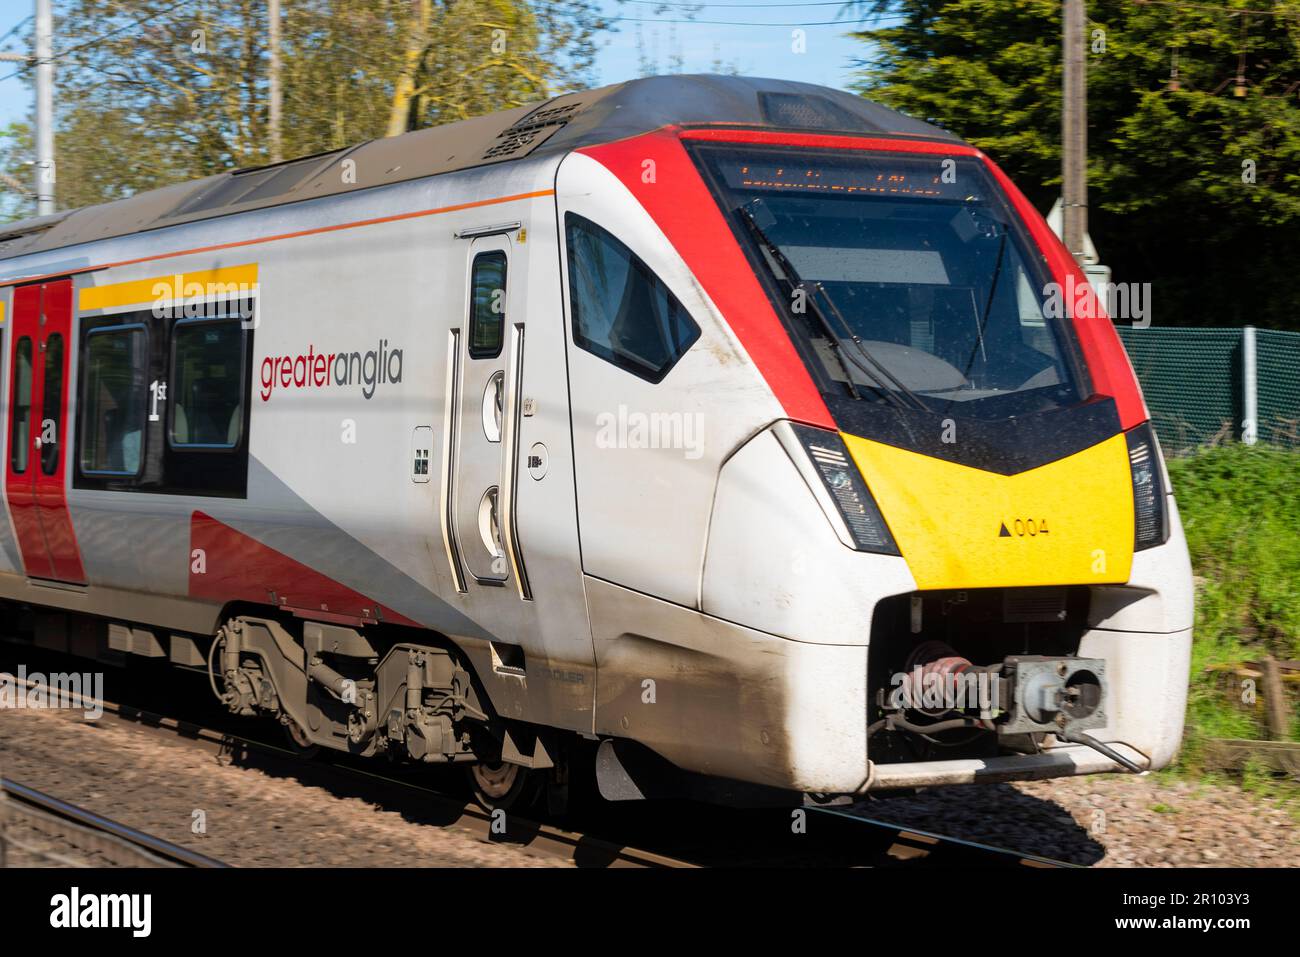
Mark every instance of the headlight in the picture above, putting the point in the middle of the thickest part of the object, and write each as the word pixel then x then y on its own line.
pixel 1150 518
pixel 847 490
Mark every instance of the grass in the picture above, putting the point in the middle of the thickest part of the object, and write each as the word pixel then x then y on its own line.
pixel 1240 508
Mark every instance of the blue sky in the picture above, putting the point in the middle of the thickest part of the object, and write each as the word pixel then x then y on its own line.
pixel 755 48
pixel 760 47
pixel 15 96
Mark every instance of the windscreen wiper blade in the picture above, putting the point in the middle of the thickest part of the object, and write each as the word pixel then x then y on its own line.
pixel 792 279
pixel 983 321
pixel 903 390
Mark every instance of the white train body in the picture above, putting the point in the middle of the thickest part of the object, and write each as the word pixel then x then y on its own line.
pixel 614 549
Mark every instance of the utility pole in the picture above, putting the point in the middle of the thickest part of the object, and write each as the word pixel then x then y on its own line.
pixel 273 84
pixel 45 170
pixel 1074 130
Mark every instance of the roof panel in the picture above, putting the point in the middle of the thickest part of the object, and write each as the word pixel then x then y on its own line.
pixel 561 124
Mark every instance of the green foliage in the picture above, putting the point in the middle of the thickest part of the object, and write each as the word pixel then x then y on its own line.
pixel 17 147
pixel 1241 513
pixel 151 92
pixel 1168 136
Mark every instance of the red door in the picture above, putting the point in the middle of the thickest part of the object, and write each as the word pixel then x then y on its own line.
pixel 35 472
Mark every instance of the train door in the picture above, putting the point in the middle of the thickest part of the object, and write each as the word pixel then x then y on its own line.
pixel 509 516
pixel 487 453
pixel 36 469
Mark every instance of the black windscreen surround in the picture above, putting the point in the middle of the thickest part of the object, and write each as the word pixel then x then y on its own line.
pixel 163 402
pixel 916 300
pixel 1006 446
pixel 904 280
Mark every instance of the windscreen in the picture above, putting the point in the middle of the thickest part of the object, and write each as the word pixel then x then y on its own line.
pixel 904 279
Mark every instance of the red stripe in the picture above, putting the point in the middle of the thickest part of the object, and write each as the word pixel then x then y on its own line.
pixel 227 565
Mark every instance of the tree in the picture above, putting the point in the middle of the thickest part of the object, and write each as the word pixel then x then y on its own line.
pixel 464 59
pixel 152 92
pixel 17 198
pixel 1194 176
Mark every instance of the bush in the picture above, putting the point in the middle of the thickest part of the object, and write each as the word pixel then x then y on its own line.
pixel 1240 508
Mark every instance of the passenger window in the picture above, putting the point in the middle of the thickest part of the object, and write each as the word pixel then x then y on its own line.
pixel 622 311
pixel 487 304
pixel 52 403
pixel 207 384
pixel 114 399
pixel 20 431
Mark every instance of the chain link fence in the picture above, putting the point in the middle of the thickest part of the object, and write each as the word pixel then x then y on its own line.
pixel 1209 386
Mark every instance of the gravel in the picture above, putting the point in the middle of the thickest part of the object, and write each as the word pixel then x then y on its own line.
pixel 250 818
pixel 1108 820
pixel 253 818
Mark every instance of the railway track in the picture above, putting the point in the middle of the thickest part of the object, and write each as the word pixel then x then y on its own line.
pixel 657 835
pixel 86 831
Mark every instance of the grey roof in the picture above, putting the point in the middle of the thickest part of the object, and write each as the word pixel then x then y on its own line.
pixel 561 124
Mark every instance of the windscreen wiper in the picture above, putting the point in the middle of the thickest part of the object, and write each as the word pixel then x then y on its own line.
pixel 981 322
pixel 866 354
pixel 791 278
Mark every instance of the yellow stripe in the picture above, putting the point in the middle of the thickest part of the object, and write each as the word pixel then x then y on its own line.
pixel 163 289
pixel 947 518
pixel 2 313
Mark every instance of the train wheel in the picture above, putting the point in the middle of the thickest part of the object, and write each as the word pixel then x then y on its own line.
pixel 503 786
pixel 299 743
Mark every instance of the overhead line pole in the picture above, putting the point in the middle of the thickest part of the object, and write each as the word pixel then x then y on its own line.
pixel 45 169
pixel 1074 129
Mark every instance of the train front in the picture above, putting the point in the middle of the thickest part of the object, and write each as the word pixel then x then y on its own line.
pixel 1008 547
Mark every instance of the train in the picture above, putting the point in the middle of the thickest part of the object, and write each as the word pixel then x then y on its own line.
pixel 709 436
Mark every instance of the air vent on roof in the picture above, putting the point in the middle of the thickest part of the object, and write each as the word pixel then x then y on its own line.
pixel 806 112
pixel 531 131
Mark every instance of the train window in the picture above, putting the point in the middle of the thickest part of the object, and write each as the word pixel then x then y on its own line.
pixel 921 289
pixel 207 384
pixel 487 304
pixel 20 432
pixel 622 311
pixel 163 405
pixel 52 404
pixel 114 399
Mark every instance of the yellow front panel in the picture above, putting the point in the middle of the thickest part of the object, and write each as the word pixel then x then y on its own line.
pixel 1065 523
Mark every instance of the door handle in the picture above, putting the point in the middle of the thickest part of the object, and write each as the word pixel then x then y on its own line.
pixel 450 438
pixel 514 381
